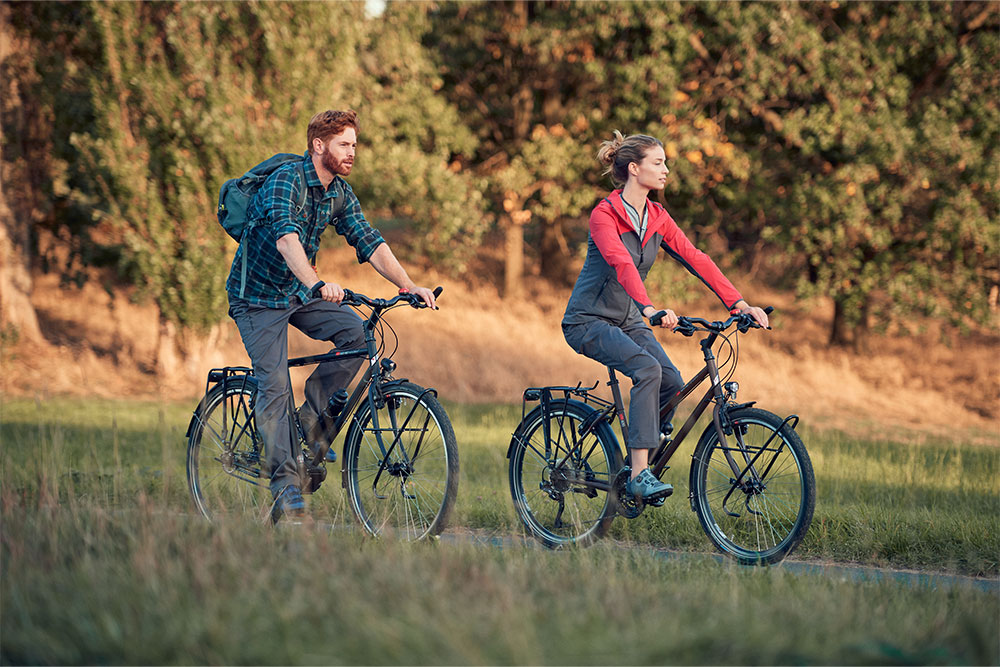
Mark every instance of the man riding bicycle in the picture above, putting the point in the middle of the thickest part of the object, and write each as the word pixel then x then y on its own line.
pixel 282 287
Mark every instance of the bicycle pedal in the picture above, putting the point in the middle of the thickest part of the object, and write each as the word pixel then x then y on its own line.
pixel 659 500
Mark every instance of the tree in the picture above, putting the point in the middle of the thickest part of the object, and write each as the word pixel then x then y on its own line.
pixel 189 94
pixel 544 83
pixel 874 149
pixel 43 100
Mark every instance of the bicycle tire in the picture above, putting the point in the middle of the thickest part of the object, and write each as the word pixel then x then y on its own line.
pixel 411 497
pixel 544 498
pixel 762 518
pixel 225 454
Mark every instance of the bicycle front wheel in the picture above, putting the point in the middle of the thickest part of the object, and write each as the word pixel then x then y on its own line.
pixel 401 464
pixel 559 479
pixel 755 497
pixel 225 453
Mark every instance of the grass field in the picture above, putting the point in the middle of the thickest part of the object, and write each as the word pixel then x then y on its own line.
pixel 103 562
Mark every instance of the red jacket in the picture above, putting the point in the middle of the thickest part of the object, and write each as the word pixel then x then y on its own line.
pixel 615 248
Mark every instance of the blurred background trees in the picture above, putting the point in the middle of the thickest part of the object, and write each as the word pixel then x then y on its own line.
pixel 846 150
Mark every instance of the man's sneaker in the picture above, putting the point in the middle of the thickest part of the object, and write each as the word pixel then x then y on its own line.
pixel 315 434
pixel 289 504
pixel 647 487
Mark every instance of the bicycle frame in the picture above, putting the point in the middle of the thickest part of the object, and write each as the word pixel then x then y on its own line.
pixel 668 447
pixel 369 384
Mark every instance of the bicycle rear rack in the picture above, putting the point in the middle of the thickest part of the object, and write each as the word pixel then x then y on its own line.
pixel 544 395
pixel 217 375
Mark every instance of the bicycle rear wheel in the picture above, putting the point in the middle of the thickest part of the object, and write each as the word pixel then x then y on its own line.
pixel 759 514
pixel 551 483
pixel 225 453
pixel 401 464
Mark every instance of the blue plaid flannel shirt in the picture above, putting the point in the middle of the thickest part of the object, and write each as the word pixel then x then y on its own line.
pixel 270 282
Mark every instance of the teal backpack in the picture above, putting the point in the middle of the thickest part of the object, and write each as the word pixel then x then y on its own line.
pixel 237 193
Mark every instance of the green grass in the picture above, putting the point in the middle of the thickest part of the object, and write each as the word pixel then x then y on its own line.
pixel 932 506
pixel 103 561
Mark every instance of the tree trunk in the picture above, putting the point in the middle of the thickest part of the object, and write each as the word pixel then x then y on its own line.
pixel 847 331
pixel 513 278
pixel 17 314
pixel 18 204
pixel 555 254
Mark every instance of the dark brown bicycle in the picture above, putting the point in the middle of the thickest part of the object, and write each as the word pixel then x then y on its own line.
pixel 751 481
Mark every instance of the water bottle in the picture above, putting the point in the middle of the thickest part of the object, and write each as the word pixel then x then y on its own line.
pixel 335 405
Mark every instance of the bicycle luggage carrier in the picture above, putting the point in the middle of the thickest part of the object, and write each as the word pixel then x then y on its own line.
pixel 544 395
pixel 217 375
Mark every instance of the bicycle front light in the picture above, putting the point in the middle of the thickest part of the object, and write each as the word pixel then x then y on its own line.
pixel 731 389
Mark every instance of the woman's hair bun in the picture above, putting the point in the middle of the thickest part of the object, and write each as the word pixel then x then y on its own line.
pixel 606 153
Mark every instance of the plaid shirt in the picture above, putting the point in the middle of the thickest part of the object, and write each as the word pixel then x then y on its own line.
pixel 270 282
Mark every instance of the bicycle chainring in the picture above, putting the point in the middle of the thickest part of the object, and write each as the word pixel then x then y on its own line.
pixel 626 504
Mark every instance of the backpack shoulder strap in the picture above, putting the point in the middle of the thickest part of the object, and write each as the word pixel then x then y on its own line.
pixel 305 186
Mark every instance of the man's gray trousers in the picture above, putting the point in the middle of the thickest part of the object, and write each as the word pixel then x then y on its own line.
pixel 265 335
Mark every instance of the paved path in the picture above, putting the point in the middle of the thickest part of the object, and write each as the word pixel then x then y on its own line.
pixel 859 573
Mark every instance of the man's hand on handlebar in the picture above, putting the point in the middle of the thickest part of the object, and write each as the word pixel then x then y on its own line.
pixel 426 295
pixel 331 292
pixel 662 318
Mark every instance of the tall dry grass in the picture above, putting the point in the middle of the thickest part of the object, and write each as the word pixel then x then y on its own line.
pixel 103 561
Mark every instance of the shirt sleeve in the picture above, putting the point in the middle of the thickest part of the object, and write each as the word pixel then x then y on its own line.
pixel 352 225
pixel 604 231
pixel 698 264
pixel 281 194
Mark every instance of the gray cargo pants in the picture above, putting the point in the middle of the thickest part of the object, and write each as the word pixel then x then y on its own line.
pixel 265 336
pixel 634 351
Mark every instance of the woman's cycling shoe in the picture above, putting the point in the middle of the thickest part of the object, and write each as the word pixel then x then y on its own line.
pixel 650 489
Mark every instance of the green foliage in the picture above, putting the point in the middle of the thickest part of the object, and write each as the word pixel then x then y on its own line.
pixel 185 95
pixel 875 157
pixel 855 144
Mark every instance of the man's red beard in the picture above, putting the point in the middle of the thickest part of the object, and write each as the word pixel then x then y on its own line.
pixel 335 166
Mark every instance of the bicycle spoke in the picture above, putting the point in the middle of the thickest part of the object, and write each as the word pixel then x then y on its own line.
pixel 390 491
pixel 760 511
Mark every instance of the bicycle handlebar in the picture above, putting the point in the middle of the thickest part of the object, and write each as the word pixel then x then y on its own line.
pixel 358 299
pixel 688 325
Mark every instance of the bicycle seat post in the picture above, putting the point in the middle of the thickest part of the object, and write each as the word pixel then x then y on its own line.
pixel 616 394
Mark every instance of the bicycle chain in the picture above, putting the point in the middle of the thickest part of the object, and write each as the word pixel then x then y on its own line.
pixel 626 504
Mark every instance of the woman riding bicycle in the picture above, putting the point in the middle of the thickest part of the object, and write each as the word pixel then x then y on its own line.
pixel 603 319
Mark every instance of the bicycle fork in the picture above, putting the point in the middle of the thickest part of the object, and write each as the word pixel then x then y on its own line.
pixel 403 468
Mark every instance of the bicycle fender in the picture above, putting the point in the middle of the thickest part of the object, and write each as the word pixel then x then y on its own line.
pixel 596 424
pixel 219 386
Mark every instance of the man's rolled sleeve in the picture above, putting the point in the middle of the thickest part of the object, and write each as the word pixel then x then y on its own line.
pixel 353 226
pixel 280 196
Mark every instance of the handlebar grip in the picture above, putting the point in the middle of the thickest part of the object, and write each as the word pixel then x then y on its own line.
pixel 769 310
pixel 419 302
pixel 656 318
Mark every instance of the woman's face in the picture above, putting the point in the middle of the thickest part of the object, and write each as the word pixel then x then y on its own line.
pixel 652 172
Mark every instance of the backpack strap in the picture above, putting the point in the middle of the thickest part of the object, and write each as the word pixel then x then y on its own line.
pixel 301 204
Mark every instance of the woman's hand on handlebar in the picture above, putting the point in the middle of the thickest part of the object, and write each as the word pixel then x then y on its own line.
pixel 664 318
pixel 758 314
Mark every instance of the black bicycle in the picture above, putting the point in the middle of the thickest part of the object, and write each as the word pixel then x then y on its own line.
pixel 751 481
pixel 399 462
